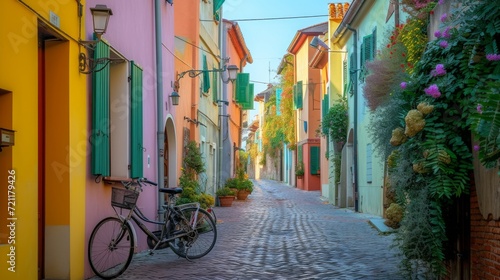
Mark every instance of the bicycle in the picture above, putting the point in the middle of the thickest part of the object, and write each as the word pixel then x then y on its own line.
pixel 188 230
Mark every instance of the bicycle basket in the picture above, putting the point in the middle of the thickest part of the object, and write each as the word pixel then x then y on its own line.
pixel 123 198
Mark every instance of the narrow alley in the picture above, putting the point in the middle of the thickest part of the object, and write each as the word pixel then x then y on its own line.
pixel 282 233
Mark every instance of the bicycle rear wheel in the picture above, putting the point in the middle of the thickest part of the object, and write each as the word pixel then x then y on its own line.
pixel 198 242
pixel 111 248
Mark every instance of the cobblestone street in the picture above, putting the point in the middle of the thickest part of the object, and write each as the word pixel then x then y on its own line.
pixel 281 233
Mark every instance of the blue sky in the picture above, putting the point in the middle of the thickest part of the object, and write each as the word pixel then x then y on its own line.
pixel 268 40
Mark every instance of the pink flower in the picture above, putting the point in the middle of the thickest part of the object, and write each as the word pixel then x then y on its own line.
pixel 443 44
pixel 441 2
pixel 439 71
pixel 443 17
pixel 437 34
pixel 479 108
pixel 433 91
pixel 403 85
pixel 493 57
pixel 446 33
pixel 476 147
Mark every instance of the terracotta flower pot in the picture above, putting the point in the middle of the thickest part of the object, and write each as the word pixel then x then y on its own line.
pixel 242 194
pixel 226 201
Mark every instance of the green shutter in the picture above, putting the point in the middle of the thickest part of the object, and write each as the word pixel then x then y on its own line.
pixel 250 95
pixel 362 56
pixel 324 111
pixel 314 162
pixel 299 153
pixel 100 115
pixel 345 77
pixel 367 48
pixel 206 75
pixel 215 91
pixel 300 96
pixel 217 5
pixel 242 81
pixel 136 134
pixel 374 42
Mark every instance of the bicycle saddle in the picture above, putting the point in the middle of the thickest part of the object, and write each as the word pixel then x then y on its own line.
pixel 170 190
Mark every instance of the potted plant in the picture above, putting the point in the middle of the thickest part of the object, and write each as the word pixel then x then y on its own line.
pixel 232 184
pixel 299 169
pixel 226 197
pixel 191 189
pixel 243 184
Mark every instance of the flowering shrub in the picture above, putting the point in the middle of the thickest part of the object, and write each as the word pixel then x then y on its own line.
pixel 456 83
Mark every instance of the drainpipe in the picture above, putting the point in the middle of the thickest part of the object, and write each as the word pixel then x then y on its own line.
pixel 159 104
pixel 223 96
pixel 355 92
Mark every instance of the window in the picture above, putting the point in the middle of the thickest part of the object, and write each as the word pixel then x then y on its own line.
pixel 117 115
pixel 314 162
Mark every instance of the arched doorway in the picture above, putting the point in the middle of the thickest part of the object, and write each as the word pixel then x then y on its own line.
pixel 169 155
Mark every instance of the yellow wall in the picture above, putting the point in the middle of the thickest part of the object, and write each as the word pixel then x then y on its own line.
pixel 18 74
pixel 66 136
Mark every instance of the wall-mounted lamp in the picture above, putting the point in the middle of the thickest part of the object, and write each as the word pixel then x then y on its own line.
pixel 175 98
pixel 317 43
pixel 100 19
pixel 232 73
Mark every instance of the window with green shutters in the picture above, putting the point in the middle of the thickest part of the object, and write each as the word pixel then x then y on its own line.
pixel 100 163
pixel 117 101
pixel 314 160
pixel 136 126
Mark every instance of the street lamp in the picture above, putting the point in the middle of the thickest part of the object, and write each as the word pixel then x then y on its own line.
pixel 100 19
pixel 317 43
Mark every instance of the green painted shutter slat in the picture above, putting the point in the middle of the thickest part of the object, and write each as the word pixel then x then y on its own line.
pixel 367 48
pixel 242 81
pixel 374 42
pixel 136 125
pixel 299 153
pixel 215 91
pixel 314 162
pixel 300 96
pixel 250 95
pixel 100 141
pixel 206 75
pixel 362 56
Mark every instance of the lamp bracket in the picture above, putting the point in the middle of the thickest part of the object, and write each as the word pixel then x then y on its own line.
pixel 89 65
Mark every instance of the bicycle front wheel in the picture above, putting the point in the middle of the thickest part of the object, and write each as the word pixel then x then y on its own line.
pixel 111 248
pixel 199 234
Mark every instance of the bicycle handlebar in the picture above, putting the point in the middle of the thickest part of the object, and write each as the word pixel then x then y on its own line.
pixel 144 180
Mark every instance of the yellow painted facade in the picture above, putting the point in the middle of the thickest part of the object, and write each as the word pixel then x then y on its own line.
pixel 37 56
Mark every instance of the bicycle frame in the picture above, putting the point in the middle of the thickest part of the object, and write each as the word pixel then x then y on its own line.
pixel 136 215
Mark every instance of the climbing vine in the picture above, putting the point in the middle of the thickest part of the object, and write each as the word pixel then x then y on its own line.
pixel 424 126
